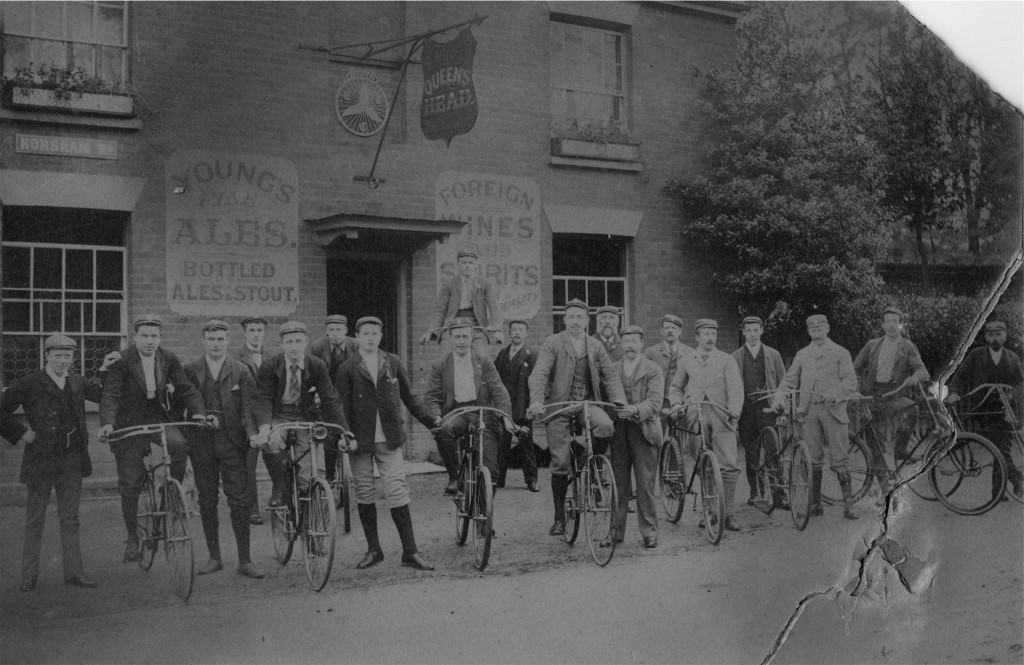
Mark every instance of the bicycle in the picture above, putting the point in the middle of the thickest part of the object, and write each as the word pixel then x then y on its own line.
pixel 474 504
pixel 972 420
pixel 783 465
pixel 308 513
pixel 592 492
pixel 436 334
pixel 341 490
pixel 163 512
pixel 707 468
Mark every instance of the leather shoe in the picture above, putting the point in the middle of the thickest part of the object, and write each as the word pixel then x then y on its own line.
pixel 250 570
pixel 452 489
pixel 29 585
pixel 731 524
pixel 80 580
pixel 650 542
pixel 371 558
pixel 557 529
pixel 211 566
pixel 131 551
pixel 532 485
pixel 255 519
pixel 416 560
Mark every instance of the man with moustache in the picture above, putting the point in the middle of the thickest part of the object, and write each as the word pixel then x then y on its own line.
pixel 219 453
pixel 467 295
pixel 514 364
pixel 607 331
pixel 251 355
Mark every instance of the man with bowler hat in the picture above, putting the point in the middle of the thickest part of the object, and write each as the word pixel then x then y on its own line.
pixel 514 364
pixel 468 295
pixel 251 355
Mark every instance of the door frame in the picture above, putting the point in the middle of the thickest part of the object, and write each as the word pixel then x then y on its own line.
pixel 399 265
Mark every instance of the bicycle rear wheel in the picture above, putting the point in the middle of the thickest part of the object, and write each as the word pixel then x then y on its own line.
pixel 671 471
pixel 1017 459
pixel 148 524
pixel 463 503
pixel 600 498
pixel 859 466
pixel 769 479
pixel 971 477
pixel 800 485
pixel 572 509
pixel 318 530
pixel 483 518
pixel 712 497
pixel 178 543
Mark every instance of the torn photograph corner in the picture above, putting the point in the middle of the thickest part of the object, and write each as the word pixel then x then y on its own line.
pixel 511 332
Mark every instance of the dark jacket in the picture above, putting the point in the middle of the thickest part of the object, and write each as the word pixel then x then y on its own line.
pixel 908 363
pixel 42 401
pixel 315 385
pixel 237 391
pixel 244 356
pixel 362 401
pixel 322 350
pixel 515 374
pixel 440 395
pixel 978 368
pixel 124 390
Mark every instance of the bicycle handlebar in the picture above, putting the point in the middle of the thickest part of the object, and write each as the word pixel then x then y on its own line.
pixel 571 405
pixel 506 419
pixel 318 430
pixel 152 428
pixel 674 410
pixel 435 334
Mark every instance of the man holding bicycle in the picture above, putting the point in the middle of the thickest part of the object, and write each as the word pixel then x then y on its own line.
pixel 465 378
pixel 573 366
pixel 334 349
pixel 711 375
pixel 823 374
pixel 147 385
pixel 467 295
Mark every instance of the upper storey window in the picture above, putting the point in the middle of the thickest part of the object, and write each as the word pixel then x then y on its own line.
pixel 588 78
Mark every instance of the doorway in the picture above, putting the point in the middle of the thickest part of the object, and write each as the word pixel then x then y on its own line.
pixel 359 287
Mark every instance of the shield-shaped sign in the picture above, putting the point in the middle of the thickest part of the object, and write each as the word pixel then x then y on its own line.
pixel 449 105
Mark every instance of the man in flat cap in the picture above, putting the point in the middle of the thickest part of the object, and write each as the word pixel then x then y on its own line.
pixel 292 386
pixel 607 319
pixel 761 368
pixel 666 354
pixel 146 386
pixel 334 349
pixel 56 454
pixel 822 373
pixel 571 365
pixel 219 453
pixel 638 436
pixel 251 355
pixel 372 386
pixel 468 295
pixel 514 364
pixel 992 363
pixel 711 375
pixel 886 365
pixel 461 378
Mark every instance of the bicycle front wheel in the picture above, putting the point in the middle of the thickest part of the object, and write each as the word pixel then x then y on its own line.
pixel 768 480
pixel 800 485
pixel 483 518
pixel 318 527
pixel 463 504
pixel 600 497
pixel 971 477
pixel 712 497
pixel 149 521
pixel 671 471
pixel 859 466
pixel 178 543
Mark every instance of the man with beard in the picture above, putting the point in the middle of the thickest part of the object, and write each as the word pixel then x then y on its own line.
pixel 607 331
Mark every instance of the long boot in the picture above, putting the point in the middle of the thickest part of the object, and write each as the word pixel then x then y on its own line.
pixel 844 483
pixel 277 466
pixel 815 507
pixel 368 518
pixel 559 488
pixel 410 555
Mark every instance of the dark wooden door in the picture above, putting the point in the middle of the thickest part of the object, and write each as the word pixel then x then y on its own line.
pixel 358 288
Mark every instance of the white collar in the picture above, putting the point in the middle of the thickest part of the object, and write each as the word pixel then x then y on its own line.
pixel 59 380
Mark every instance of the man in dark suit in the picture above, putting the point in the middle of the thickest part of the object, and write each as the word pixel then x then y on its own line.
pixel 334 350
pixel 290 386
pixel 372 386
pixel 56 452
pixel 465 378
pixel 251 355
pixel 608 331
pixel 148 385
pixel 218 454
pixel 514 364
pixel 467 295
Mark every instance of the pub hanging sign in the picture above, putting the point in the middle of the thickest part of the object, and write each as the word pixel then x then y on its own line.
pixel 449 105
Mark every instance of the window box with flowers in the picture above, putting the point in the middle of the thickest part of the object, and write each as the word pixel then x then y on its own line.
pixel 71 90
pixel 594 142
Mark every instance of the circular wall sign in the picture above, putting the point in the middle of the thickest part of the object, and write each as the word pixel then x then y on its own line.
pixel 361 104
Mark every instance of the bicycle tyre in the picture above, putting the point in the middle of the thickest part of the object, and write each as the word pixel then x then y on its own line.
pixel 671 472
pixel 148 524
pixel 712 497
pixel 572 509
pixel 859 466
pixel 600 497
pixel 318 533
pixel 178 542
pixel 971 477
pixel 800 485
pixel 916 475
pixel 282 533
pixel 463 504
pixel 768 478
pixel 1017 459
pixel 343 484
pixel 482 518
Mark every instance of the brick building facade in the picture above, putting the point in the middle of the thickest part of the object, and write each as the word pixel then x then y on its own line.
pixel 229 184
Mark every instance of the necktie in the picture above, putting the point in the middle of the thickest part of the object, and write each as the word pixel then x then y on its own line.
pixel 335 357
pixel 292 393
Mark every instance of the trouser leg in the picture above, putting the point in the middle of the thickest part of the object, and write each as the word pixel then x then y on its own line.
pixel 131 476
pixel 177 447
pixel 747 431
pixel 35 519
pixel 205 468
pixel 233 479
pixel 645 467
pixel 69 495
pixel 559 488
pixel 504 456
pixel 723 440
pixel 622 466
pixel 527 455
pixel 331 455
pixel 252 498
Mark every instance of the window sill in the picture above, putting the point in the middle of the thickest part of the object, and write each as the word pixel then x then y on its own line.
pixel 65 118
pixel 600 164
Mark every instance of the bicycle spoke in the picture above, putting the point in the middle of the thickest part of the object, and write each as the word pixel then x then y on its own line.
pixel 318 526
pixel 600 497
pixel 971 477
pixel 178 542
pixel 670 480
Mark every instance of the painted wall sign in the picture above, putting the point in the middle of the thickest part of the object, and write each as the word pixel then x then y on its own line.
pixel 65 146
pixel 503 215
pixel 449 105
pixel 232 234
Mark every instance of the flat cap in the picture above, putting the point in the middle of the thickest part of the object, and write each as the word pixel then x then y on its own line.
pixel 579 304
pixel 705 323
pixel 147 320
pixel 215 324
pixel 817 320
pixel 753 319
pixel 522 321
pixel 336 318
pixel 631 330
pixel 608 309
pixel 892 309
pixel 253 319
pixel 460 322
pixel 292 327
pixel 466 251
pixel 368 320
pixel 673 319
pixel 995 326
pixel 59 341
